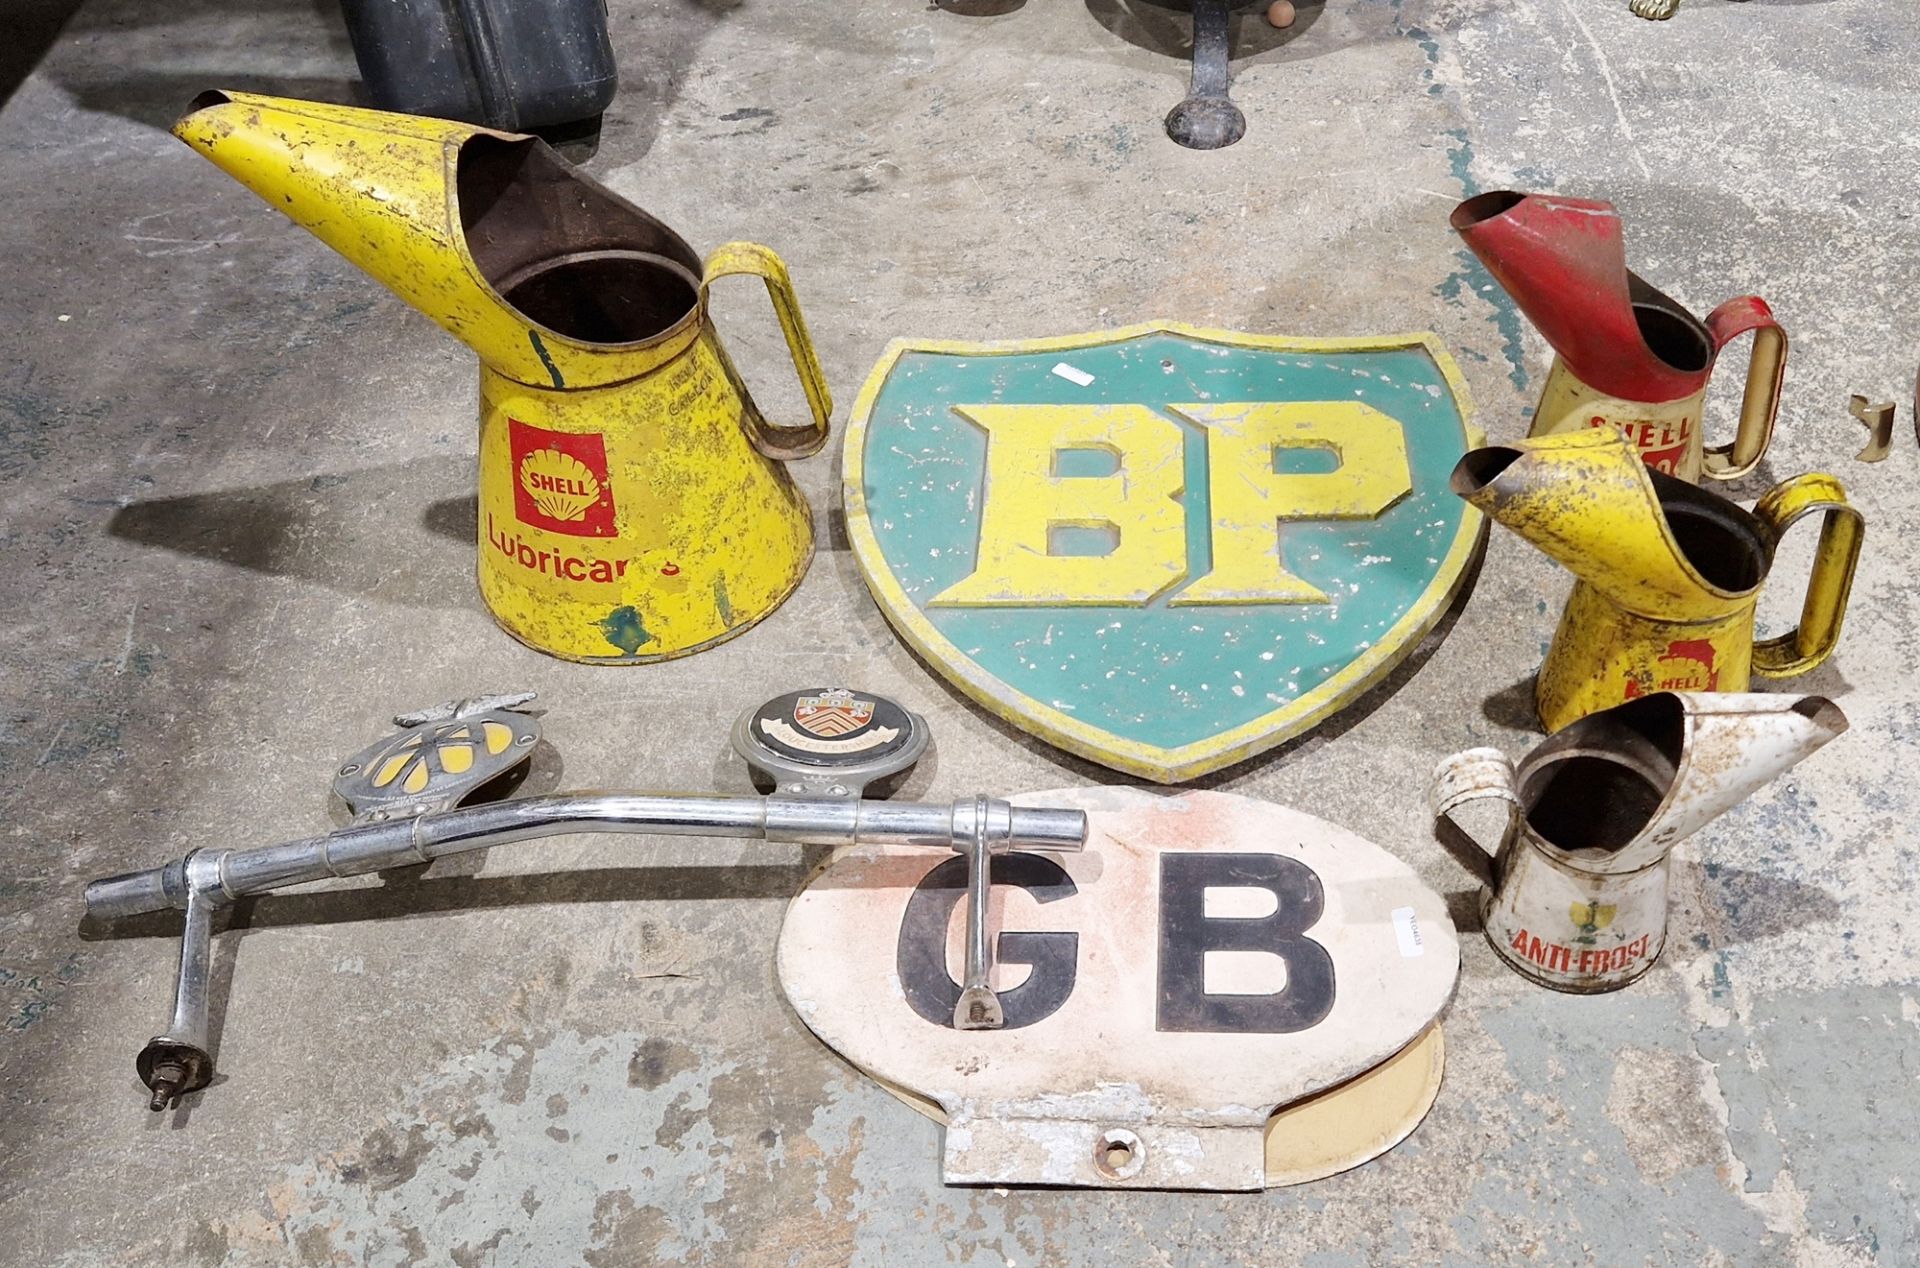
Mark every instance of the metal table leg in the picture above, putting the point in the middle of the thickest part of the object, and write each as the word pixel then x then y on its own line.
pixel 1208 119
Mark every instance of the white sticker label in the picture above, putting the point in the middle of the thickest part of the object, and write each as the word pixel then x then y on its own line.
pixel 1407 929
pixel 1073 374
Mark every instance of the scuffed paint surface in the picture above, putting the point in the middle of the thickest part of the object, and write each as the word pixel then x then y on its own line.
pixel 237 483
pixel 503 1133
pixel 1166 670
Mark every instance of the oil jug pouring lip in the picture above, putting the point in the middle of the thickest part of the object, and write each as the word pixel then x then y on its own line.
pixel 1564 262
pixel 1615 791
pixel 1651 542
pixel 614 299
pixel 526 216
pixel 440 212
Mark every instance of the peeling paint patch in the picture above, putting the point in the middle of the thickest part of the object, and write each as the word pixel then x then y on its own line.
pixel 1655 1101
pixel 475 1164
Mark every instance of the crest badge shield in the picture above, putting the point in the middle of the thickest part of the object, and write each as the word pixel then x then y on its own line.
pixel 833 713
pixel 1162 548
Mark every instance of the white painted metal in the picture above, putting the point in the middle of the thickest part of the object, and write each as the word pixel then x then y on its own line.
pixel 1041 1103
pixel 1590 914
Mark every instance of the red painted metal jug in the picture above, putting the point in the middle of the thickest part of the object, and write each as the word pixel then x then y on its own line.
pixel 1626 354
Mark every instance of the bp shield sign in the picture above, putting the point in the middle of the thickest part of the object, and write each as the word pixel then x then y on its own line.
pixel 1162 548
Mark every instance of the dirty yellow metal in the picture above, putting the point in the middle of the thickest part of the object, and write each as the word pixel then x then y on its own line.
pixel 1668 574
pixel 1669 434
pixel 633 504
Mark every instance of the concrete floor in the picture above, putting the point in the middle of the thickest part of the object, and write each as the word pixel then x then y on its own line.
pixel 236 480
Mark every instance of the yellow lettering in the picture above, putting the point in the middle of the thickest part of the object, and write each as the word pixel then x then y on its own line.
pixel 1252 502
pixel 1025 500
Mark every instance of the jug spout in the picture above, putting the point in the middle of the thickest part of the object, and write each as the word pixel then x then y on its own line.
pixel 1619 789
pixel 466 224
pixel 1588 502
pixel 1735 744
pixel 1564 262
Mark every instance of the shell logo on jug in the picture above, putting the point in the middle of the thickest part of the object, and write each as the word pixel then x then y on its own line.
pixel 560 481
pixel 560 484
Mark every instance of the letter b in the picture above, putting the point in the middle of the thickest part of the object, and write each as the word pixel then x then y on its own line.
pixel 1187 933
pixel 1027 499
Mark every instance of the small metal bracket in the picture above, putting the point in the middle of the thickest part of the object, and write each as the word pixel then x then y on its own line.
pixel 829 741
pixel 1877 418
pixel 979 1007
pixel 438 758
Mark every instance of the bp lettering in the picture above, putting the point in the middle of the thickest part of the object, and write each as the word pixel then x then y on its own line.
pixel 1187 934
pixel 1131 499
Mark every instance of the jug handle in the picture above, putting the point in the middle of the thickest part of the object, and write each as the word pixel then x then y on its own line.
pixel 1760 404
pixel 782 444
pixel 1472 775
pixel 1829 582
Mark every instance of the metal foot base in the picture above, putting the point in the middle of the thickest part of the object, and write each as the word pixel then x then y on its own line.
pixel 171 1070
pixel 1206 123
pixel 1207 119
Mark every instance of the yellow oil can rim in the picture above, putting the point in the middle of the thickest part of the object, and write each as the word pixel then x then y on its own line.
pixel 680 335
pixel 1160 763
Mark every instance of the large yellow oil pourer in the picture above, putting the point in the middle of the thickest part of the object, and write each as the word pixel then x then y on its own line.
pixel 633 501
pixel 1668 574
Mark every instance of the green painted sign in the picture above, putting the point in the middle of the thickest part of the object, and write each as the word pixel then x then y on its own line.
pixel 1162 548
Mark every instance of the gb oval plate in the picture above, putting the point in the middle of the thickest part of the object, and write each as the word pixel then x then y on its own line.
pixel 1207 959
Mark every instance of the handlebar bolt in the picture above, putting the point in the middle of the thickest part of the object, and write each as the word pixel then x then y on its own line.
pixel 171 1069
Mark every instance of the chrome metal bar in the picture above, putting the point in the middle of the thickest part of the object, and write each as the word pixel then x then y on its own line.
pixel 978 1007
pixel 189 1023
pixel 373 847
pixel 179 1061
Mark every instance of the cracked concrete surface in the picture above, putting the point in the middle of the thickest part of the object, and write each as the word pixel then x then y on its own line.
pixel 236 487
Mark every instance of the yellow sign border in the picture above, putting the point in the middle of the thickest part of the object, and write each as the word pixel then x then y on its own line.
pixel 1151 761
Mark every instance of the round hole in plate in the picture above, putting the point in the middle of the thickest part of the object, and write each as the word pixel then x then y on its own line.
pixel 1118 1154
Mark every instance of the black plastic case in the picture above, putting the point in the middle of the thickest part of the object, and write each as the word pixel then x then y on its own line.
pixel 517 65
